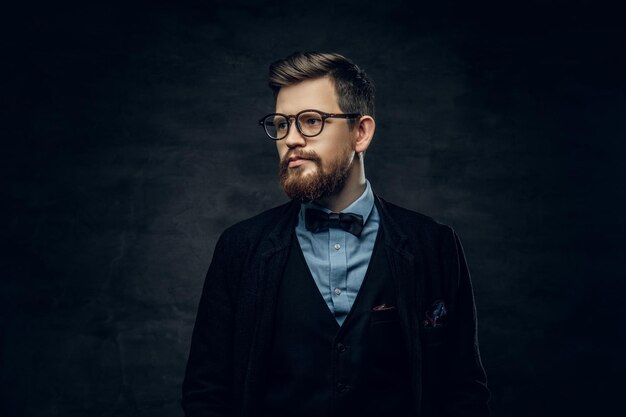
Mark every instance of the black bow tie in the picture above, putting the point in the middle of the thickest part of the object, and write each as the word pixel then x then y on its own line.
pixel 319 221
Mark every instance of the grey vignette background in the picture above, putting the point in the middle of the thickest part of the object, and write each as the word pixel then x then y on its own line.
pixel 131 141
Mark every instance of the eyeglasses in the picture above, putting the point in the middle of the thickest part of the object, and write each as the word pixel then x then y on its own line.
pixel 308 122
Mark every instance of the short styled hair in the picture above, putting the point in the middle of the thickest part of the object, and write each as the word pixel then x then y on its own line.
pixel 355 91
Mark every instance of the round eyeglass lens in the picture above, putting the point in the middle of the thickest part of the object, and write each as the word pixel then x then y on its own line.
pixel 310 123
pixel 276 126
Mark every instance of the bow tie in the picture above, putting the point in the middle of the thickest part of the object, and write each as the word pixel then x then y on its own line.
pixel 319 221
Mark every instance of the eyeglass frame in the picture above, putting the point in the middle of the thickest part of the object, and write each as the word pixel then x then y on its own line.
pixel 295 118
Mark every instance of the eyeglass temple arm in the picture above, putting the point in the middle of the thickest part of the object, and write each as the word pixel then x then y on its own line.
pixel 343 116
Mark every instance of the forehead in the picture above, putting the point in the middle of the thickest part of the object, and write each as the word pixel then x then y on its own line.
pixel 317 93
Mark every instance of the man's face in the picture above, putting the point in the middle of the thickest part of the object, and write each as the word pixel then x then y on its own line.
pixel 326 159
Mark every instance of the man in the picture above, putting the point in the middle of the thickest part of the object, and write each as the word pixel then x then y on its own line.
pixel 337 303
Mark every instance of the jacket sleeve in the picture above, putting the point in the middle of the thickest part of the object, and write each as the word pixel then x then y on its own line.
pixel 207 383
pixel 466 392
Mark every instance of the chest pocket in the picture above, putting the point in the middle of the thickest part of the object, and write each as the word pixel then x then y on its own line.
pixel 383 316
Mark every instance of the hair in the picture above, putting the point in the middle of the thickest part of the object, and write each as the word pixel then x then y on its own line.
pixel 355 91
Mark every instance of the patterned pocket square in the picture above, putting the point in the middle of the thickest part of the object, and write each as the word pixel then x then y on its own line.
pixel 436 314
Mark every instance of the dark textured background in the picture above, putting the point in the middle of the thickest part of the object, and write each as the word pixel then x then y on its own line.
pixel 130 142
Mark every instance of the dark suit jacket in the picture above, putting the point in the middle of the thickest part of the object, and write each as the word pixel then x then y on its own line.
pixel 232 333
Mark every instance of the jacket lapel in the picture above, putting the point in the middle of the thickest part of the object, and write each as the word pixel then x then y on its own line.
pixel 273 253
pixel 408 286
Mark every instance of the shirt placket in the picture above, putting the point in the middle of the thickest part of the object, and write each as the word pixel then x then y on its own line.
pixel 338 272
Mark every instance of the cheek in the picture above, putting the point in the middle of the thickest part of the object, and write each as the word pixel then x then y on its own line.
pixel 330 150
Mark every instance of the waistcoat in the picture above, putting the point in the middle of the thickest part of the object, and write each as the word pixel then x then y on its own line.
pixel 318 368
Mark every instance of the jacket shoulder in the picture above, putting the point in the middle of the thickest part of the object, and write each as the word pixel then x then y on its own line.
pixel 257 226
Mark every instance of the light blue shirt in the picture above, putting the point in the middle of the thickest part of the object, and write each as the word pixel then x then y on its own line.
pixel 337 259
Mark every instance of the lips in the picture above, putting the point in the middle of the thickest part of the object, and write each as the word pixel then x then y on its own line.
pixel 294 162
pixel 295 158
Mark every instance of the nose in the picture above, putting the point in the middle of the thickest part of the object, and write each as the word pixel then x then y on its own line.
pixel 294 137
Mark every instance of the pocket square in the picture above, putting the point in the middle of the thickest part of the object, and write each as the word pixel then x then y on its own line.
pixel 435 315
pixel 383 307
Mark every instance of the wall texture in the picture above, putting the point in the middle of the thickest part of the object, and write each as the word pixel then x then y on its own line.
pixel 131 142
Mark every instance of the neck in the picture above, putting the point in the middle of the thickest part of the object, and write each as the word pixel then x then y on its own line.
pixel 351 191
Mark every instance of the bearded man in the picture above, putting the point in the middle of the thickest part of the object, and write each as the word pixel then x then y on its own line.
pixel 337 303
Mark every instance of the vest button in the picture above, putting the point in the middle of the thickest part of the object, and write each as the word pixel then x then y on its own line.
pixel 341 347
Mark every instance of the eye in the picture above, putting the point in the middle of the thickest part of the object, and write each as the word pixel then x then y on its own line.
pixel 280 124
pixel 312 121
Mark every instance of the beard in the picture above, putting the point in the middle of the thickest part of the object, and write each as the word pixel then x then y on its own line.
pixel 318 183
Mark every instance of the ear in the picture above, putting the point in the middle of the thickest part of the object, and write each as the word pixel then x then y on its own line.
pixel 364 132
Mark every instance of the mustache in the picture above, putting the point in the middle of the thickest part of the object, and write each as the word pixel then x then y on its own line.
pixel 312 156
pixel 303 155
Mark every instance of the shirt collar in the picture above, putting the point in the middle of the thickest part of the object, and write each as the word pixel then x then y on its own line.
pixel 362 205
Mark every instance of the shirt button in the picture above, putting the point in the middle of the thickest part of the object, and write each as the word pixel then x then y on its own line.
pixel 337 291
pixel 337 246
